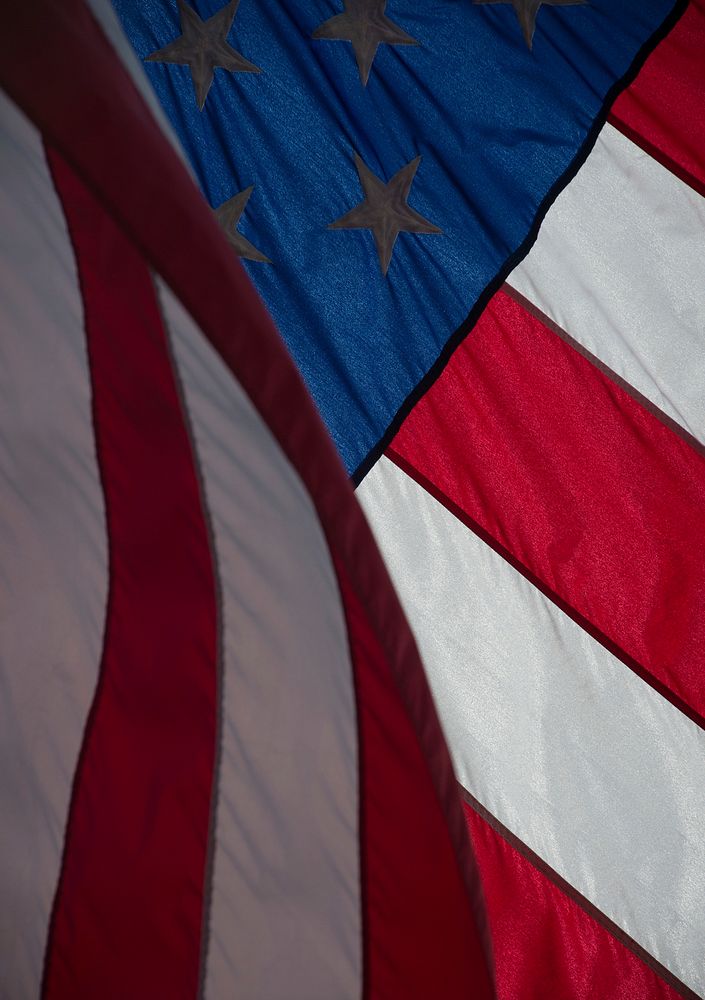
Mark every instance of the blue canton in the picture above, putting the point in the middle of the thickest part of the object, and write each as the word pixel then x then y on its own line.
pixel 448 85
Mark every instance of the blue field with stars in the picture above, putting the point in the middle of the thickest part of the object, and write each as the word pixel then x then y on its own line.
pixel 377 166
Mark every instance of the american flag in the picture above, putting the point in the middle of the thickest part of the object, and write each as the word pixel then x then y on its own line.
pixel 489 269
pixel 222 772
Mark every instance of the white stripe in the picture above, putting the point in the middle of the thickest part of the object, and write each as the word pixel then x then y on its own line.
pixel 584 762
pixel 53 550
pixel 285 910
pixel 620 265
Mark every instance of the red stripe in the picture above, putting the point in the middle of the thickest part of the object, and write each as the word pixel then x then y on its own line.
pixel 544 943
pixel 584 488
pixel 129 908
pixel 664 109
pixel 419 936
pixel 65 88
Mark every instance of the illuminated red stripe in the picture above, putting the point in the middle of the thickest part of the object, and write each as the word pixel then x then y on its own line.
pixel 545 944
pixel 586 491
pixel 664 109
pixel 129 907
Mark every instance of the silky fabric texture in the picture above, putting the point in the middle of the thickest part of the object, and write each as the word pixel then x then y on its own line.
pixel 285 909
pixel 157 207
pixel 571 751
pixel 619 265
pixel 663 108
pixel 495 126
pixel 53 546
pixel 138 828
pixel 591 493
pixel 545 943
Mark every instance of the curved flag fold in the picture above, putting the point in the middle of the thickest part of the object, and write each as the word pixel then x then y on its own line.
pixel 225 773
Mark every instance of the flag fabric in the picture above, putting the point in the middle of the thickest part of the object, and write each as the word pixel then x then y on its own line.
pixel 480 228
pixel 222 772
pixel 383 171
pixel 454 105
pixel 552 483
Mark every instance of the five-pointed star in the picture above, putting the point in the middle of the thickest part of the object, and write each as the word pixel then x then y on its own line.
pixel 203 46
pixel 384 209
pixel 526 11
pixel 228 215
pixel 365 25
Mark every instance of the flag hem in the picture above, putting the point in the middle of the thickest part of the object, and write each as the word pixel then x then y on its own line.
pixel 515 258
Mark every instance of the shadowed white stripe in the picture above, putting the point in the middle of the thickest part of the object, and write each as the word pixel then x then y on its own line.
pixel 620 265
pixel 53 549
pixel 589 766
pixel 285 910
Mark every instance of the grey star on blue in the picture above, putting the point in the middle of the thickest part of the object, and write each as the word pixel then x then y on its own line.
pixel 203 47
pixel 384 209
pixel 365 25
pixel 228 216
pixel 527 11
